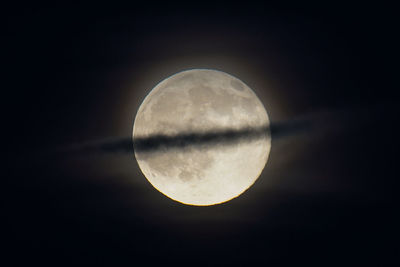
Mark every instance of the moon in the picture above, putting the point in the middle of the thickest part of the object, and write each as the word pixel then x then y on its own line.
pixel 201 101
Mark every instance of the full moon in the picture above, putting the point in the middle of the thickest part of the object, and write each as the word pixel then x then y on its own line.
pixel 202 101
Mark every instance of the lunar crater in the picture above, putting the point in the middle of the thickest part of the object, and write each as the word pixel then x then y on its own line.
pixel 237 85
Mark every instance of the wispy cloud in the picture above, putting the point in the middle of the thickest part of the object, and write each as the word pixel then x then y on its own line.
pixel 307 124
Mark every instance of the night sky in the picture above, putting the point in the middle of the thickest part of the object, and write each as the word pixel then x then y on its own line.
pixel 76 75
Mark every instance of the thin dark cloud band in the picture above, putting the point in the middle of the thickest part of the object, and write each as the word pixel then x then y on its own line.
pixel 307 124
pixel 153 143
pixel 222 137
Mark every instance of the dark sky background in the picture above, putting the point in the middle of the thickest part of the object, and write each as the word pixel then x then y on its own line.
pixel 78 73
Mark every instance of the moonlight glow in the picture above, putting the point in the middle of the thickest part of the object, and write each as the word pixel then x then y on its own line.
pixel 202 101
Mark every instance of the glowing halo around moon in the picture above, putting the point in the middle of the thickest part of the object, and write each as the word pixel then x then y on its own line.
pixel 202 101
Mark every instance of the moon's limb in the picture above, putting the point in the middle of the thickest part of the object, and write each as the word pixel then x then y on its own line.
pixel 201 101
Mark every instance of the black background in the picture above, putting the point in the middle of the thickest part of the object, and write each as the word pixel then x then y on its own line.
pixel 76 73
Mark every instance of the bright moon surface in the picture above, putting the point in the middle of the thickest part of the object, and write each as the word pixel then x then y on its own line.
pixel 202 101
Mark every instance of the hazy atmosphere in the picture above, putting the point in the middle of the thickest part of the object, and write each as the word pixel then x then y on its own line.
pixel 76 76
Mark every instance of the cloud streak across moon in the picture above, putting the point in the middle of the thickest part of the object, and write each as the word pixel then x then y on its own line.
pixel 221 137
pixel 308 124
pixel 154 143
